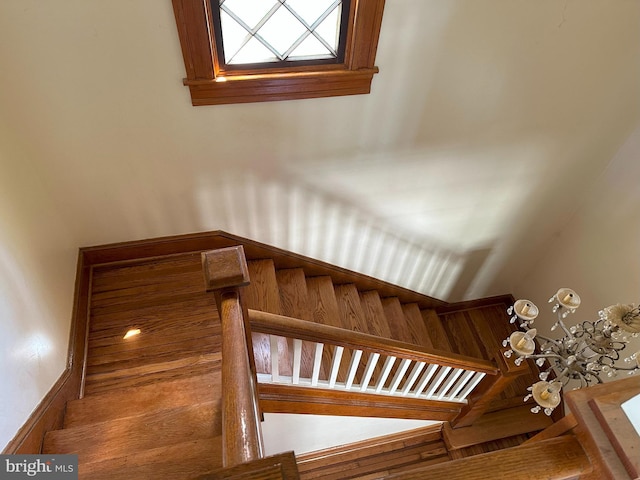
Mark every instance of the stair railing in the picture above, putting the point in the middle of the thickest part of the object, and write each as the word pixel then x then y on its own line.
pixel 406 370
pixel 225 271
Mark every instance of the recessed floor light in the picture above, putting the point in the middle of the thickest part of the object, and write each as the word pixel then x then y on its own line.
pixel 131 333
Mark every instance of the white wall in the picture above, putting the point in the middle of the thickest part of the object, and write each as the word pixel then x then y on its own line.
pixel 283 432
pixel 597 253
pixel 37 271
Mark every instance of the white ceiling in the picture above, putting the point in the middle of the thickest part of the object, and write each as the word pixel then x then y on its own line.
pixel 487 125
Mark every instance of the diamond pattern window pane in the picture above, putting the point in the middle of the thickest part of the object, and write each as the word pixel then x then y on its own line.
pixel 234 35
pixel 281 30
pixel 254 52
pixel 257 31
pixel 249 11
pixel 310 10
pixel 329 29
pixel 310 48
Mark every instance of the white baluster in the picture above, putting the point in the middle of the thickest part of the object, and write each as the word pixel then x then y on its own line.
pixel 472 384
pixel 353 368
pixel 450 381
pixel 413 376
pixel 461 383
pixel 437 381
pixel 424 381
pixel 402 369
pixel 317 361
pixel 335 365
pixel 297 357
pixel 368 371
pixel 386 370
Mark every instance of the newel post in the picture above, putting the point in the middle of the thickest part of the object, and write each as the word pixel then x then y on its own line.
pixel 489 388
pixel 225 271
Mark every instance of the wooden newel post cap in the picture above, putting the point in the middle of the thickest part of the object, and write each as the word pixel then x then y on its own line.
pixel 225 267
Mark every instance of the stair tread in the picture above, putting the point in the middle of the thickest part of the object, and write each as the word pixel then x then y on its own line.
pixel 263 294
pixel 437 333
pixel 124 436
pixel 142 399
pixel 396 320
pixel 415 323
pixel 322 300
pixel 462 335
pixel 180 461
pixel 496 425
pixel 147 374
pixel 350 308
pixel 294 299
pixel 324 308
pixel 374 314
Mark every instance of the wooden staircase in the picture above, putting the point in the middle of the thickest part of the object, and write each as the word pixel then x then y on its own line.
pixel 473 333
pixel 152 403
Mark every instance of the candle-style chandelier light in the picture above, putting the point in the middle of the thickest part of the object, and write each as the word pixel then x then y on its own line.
pixel 587 353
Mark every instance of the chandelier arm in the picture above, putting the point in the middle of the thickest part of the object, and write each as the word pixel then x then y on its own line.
pixel 545 355
pixel 547 339
pixel 564 327
pixel 626 369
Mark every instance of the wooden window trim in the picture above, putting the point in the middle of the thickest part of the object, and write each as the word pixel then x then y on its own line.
pixel 353 77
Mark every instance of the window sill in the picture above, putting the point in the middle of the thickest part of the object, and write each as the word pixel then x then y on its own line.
pixel 280 86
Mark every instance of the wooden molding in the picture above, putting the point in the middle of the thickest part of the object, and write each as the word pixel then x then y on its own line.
pixel 477 303
pixel 205 71
pixel 198 242
pixel 275 398
pixel 49 413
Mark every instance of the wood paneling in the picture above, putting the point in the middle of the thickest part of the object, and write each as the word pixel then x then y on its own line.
pixel 496 425
pixel 277 398
pixel 558 458
pixel 375 457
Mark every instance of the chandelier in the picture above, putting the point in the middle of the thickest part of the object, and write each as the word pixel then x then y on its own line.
pixel 587 353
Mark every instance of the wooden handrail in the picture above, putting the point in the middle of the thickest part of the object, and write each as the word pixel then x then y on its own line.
pixel 225 270
pixel 273 324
